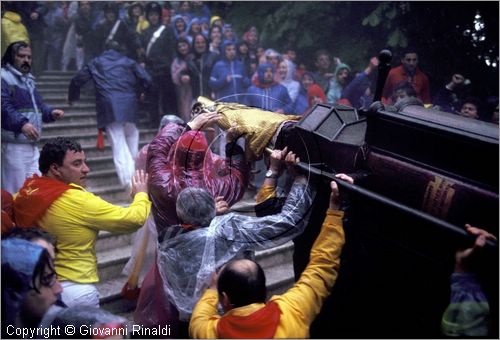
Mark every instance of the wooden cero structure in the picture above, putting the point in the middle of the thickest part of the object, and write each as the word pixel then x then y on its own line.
pixel 420 176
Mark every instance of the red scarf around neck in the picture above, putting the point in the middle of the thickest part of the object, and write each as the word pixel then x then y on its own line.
pixel 35 197
pixel 261 324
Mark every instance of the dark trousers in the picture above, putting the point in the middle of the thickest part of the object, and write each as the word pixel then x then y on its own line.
pixel 161 97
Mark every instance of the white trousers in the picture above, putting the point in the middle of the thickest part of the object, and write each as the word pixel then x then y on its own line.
pixel 19 161
pixel 80 294
pixel 124 140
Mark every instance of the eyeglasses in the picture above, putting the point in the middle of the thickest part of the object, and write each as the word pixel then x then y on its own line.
pixel 49 280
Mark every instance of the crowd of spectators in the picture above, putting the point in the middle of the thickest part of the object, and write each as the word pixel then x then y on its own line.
pixel 190 51
pixel 176 53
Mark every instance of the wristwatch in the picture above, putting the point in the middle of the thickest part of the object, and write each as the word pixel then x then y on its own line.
pixel 271 174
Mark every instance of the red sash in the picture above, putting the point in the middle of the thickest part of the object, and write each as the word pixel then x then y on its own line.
pixel 35 197
pixel 260 324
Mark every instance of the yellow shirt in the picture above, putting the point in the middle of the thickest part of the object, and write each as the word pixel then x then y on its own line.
pixel 75 219
pixel 265 192
pixel 300 304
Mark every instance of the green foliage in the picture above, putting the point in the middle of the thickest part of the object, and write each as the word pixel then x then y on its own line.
pixel 397 39
pixel 375 17
pixel 387 13
pixel 307 26
pixel 383 11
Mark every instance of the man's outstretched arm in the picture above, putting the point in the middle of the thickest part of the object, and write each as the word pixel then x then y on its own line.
pixel 317 280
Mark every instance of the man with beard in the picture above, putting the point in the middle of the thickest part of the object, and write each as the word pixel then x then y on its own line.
pixel 408 71
pixel 22 114
pixel 158 42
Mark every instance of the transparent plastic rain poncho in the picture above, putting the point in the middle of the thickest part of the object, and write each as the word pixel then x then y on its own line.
pixel 187 261
pixel 178 159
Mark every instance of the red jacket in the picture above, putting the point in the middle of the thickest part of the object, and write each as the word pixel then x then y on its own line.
pixel 177 159
pixel 420 83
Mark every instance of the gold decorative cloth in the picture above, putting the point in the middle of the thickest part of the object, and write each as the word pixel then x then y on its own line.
pixel 257 125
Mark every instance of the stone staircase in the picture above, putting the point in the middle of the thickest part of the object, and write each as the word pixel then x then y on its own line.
pixel 113 251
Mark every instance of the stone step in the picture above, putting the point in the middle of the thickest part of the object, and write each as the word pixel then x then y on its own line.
pixel 59 101
pixel 107 241
pixel 83 120
pixel 277 264
pixel 57 92
pixel 110 262
pixel 42 82
pixel 268 258
pixel 98 178
pixel 52 96
pixel 50 77
pixel 111 193
pixel 279 279
pixel 90 137
pixel 91 150
pixel 100 162
pixel 76 107
pixel 47 86
pixel 72 128
pixel 50 93
pixel 74 116
pixel 57 72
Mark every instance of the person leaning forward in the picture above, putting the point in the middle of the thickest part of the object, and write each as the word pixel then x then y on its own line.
pixel 240 287
pixel 58 203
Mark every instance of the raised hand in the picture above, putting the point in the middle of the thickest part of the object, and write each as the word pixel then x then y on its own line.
pixel 204 120
pixel 464 257
pixel 139 182
pixel 221 206
pixel 334 196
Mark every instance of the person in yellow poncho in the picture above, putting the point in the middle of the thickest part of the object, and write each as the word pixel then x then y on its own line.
pixel 135 19
pixel 12 28
pixel 241 289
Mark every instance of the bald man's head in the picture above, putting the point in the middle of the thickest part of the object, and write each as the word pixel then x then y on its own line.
pixel 243 281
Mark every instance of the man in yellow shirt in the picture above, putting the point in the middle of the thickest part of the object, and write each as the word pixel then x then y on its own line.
pixel 241 289
pixel 58 203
